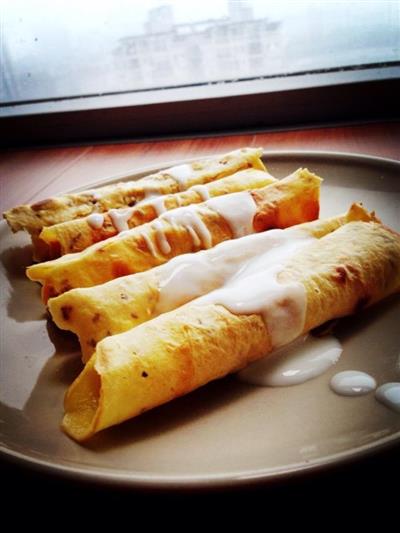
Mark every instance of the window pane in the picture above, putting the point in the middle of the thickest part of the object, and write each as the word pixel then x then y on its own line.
pixel 53 49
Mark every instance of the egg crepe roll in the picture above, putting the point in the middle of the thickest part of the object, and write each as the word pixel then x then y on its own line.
pixel 351 268
pixel 94 313
pixel 293 200
pixel 33 218
pixel 76 235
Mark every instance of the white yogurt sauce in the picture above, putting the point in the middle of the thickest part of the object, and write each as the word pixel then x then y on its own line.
pixel 281 305
pixel 123 234
pixel 120 217
pixel 161 238
pixel 389 395
pixel 352 383
pixel 150 245
pixel 189 218
pixel 181 174
pixel 95 220
pixel 202 190
pixel 191 275
pixel 238 209
pixel 150 192
pixel 300 361
pixel 159 205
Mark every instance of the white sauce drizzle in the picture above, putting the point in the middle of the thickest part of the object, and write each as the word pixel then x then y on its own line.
pixel 389 395
pixel 282 305
pixel 159 205
pixel 161 238
pixel 192 275
pixel 300 361
pixel 238 209
pixel 150 192
pixel 95 220
pixel 189 219
pixel 181 174
pixel 202 190
pixel 149 243
pixel 154 198
pixel 195 238
pixel 120 217
pixel 352 383
pixel 123 234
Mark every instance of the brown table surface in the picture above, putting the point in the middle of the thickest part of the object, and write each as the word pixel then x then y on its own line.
pixel 32 174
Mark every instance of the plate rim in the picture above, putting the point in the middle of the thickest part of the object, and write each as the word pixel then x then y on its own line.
pixel 137 480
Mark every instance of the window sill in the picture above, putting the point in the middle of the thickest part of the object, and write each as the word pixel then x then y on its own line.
pixel 348 94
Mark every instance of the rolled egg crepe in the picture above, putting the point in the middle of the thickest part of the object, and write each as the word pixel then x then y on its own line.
pixel 293 200
pixel 76 235
pixel 33 218
pixel 94 313
pixel 266 307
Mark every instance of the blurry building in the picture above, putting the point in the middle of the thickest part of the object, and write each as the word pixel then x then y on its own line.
pixel 169 54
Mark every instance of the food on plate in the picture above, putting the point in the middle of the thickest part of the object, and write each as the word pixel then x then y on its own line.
pixel 76 235
pixel 33 218
pixel 282 204
pixel 274 299
pixel 94 313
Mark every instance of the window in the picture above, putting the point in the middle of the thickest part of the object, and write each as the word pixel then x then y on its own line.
pixel 70 51
pixel 58 49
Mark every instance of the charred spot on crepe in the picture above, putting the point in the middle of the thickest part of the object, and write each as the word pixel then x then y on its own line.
pixel 353 270
pixel 340 274
pixel 75 239
pixel 65 286
pixel 42 204
pixel 96 318
pixel 66 311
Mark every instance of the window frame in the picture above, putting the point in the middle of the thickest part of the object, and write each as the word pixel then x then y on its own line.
pixel 361 93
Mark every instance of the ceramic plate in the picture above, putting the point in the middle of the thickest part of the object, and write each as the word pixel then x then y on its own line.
pixel 226 433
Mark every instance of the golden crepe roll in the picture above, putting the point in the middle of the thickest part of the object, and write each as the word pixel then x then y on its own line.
pixel 351 268
pixel 121 304
pixel 282 204
pixel 76 235
pixel 33 218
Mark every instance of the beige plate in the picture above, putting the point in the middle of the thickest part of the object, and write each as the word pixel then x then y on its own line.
pixel 226 432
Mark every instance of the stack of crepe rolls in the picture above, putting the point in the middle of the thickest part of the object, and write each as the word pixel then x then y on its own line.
pixel 77 235
pixel 290 201
pixel 33 218
pixel 119 305
pixel 338 267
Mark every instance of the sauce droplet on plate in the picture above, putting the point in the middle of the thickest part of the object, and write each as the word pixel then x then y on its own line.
pixel 389 395
pixel 352 383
